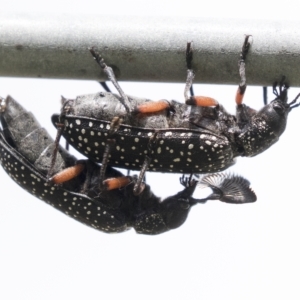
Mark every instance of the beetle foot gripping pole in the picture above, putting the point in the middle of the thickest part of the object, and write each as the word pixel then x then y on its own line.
pixel 190 72
pixel 194 100
pixel 110 74
pixel 242 86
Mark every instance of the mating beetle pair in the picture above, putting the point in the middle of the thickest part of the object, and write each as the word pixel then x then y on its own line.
pixel 194 137
pixel 26 155
pixel 168 136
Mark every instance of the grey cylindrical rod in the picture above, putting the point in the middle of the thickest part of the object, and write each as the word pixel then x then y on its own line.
pixel 147 48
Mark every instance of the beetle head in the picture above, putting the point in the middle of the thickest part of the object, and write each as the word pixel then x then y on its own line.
pixel 175 209
pixel 267 125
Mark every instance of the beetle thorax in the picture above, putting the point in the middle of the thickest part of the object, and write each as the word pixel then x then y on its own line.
pixel 257 138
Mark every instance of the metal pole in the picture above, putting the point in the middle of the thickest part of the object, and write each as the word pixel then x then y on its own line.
pixel 147 48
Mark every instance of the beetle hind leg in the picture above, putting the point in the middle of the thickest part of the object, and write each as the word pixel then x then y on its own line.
pixel 111 76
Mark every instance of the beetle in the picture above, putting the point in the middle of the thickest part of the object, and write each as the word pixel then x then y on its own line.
pixel 26 155
pixel 198 136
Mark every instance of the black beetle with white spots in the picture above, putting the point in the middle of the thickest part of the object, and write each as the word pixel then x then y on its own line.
pixel 180 138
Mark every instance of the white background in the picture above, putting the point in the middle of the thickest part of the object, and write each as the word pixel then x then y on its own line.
pixel 222 252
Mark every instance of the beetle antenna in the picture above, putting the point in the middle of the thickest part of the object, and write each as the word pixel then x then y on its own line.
pixel 228 188
pixel 294 101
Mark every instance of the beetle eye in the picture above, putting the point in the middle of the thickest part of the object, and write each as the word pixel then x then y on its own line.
pixel 279 108
pixel 184 204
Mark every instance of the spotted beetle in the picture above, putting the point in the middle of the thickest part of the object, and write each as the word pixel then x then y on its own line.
pixel 25 154
pixel 199 136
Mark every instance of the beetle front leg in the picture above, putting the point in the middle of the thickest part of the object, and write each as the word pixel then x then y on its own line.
pixel 242 86
pixel 243 112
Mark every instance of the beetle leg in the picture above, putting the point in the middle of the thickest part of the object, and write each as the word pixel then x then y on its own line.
pixel 107 185
pixel 139 186
pixel 189 55
pixel 194 100
pixel 202 101
pixel 187 181
pixel 152 107
pixel 60 128
pixel 67 174
pixel 114 125
pixel 104 163
pixel 111 76
pixel 105 86
pixel 243 113
pixel 265 95
pixel 190 72
pixel 116 183
pixel 242 86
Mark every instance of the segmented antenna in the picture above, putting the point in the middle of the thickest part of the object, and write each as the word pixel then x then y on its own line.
pixel 229 188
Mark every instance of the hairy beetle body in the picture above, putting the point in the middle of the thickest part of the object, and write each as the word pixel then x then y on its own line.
pixel 80 198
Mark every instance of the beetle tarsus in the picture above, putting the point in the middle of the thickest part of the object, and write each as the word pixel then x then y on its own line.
pixel 187 181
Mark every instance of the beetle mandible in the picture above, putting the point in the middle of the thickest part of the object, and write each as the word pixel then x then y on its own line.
pixel 25 154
